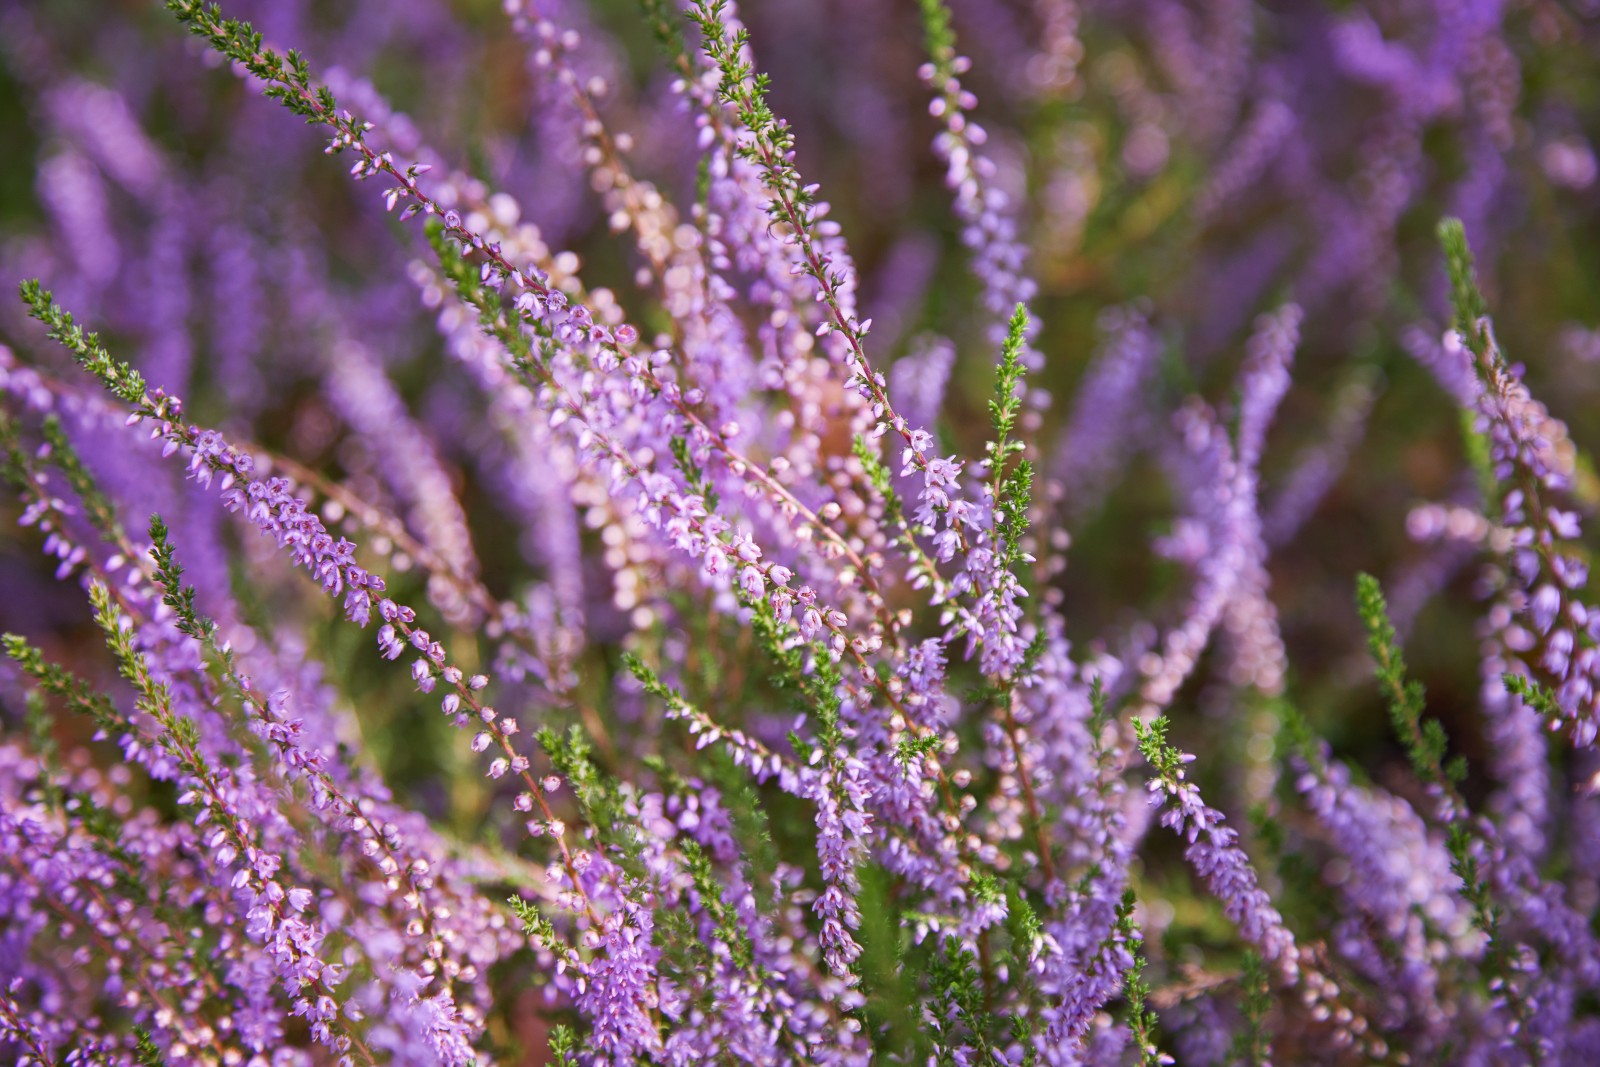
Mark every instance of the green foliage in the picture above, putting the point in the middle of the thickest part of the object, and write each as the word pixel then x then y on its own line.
pixel 1006 404
pixel 1425 744
pixel 536 926
pixel 804 673
pixel 78 695
pixel 1252 1046
pixel 1016 496
pixel 496 314
pixel 878 477
pixel 891 970
pixel 117 376
pixel 176 595
pixel 1476 445
pixel 723 914
pixel 1167 759
pixel 648 678
pixel 911 749
pixel 1141 1020
pixel 146 1053
pixel 1099 713
pixel 740 86
pixel 694 476
pixel 179 734
pixel 960 1016
pixel 1536 696
pixel 1302 738
pixel 702 183
pixel 40 735
pixel 1471 317
pixel 665 23
pixel 1013 489
pixel 15 463
pixel 563 1047
pixel 601 804
pixel 939 38
pixel 752 828
pixel 1424 741
pixel 1466 297
pixel 1464 846
pixel 1301 878
pixel 1023 923
pixel 746 91
pixel 287 78
pixel 877 472
pixel 770 148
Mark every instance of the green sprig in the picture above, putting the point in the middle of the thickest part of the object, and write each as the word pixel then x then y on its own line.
pixel 1252 1045
pixel 1142 1020
pixel 146 1053
pixel 1536 696
pixel 938 36
pixel 176 595
pixel 117 376
pixel 564 1046
pixel 1466 298
pixel 1424 740
pixel 77 694
pixel 958 990
pixel 1425 743
pixel 1168 760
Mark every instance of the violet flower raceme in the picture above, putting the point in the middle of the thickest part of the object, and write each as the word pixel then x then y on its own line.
pixel 271 507
pixel 696 296
pixel 769 147
pixel 1529 449
pixel 1210 541
pixel 842 825
pixel 574 326
pixel 1083 958
pixel 1414 905
pixel 1550 627
pixel 59 877
pixel 1106 403
pixel 1320 468
pixel 360 818
pixel 987 216
pixel 275 916
pixel 408 463
pixel 792 751
pixel 740 239
pixel 921 379
pixel 381 841
pixel 285 518
pixel 247 824
pixel 1214 852
pixel 1222 539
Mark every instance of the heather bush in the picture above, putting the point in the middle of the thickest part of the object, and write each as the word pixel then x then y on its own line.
pixel 967 532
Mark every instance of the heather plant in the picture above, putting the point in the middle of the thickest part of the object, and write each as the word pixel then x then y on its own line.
pixel 504 571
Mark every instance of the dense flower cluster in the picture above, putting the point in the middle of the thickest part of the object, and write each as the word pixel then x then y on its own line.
pixel 560 591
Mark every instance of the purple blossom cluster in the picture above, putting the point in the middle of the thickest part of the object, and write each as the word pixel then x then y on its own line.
pixel 482 589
